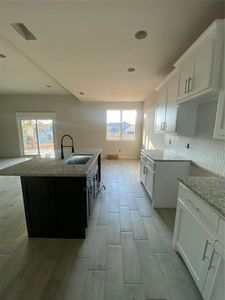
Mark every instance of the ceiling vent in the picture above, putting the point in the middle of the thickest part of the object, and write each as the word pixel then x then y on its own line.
pixel 24 31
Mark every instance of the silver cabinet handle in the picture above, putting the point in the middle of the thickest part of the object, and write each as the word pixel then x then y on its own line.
pixel 211 260
pixel 192 205
pixel 207 243
pixel 144 169
pixel 185 88
pixel 189 87
pixel 163 125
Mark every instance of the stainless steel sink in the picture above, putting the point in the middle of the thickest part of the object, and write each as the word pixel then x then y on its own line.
pixel 78 159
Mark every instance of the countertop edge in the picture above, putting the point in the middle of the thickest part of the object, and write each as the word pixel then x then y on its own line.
pixel 205 201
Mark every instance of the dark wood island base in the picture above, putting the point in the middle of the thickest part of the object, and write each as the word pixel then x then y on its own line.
pixel 59 207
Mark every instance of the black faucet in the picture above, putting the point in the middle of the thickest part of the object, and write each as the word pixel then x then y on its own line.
pixel 62 146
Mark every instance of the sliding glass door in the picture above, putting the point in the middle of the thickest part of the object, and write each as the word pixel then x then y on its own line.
pixel 37 136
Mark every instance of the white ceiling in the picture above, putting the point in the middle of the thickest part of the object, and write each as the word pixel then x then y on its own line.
pixel 89 45
pixel 19 75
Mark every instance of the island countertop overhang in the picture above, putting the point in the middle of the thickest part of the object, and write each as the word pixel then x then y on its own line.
pixel 52 167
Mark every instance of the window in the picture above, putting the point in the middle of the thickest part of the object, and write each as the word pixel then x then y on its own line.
pixel 121 125
pixel 36 133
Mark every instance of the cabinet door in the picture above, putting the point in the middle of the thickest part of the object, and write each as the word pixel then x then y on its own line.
pixel 194 244
pixel 219 132
pixel 149 181
pixel 214 288
pixel 142 171
pixel 203 67
pixel 186 74
pixel 71 204
pixel 39 203
pixel 171 107
pixel 160 116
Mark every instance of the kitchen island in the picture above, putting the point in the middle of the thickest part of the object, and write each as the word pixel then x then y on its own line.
pixel 58 197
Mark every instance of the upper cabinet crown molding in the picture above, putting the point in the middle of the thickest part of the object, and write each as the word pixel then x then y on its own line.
pixel 200 66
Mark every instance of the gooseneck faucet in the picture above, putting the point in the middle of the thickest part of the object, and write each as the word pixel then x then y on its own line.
pixel 63 146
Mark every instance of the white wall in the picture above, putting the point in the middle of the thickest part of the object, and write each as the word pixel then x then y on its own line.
pixel 86 122
pixel 205 151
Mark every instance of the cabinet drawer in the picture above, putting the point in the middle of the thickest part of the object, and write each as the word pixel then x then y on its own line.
pixel 143 157
pixel 221 232
pixel 150 163
pixel 203 213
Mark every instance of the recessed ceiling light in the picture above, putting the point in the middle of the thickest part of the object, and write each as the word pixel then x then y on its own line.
pixel 141 34
pixel 48 86
pixel 131 69
pixel 2 55
pixel 81 93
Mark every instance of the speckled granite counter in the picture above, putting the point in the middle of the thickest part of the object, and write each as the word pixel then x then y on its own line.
pixel 52 166
pixel 209 189
pixel 163 155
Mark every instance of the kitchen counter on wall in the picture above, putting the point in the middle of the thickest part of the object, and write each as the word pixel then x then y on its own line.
pixel 163 155
pixel 210 189
pixel 52 166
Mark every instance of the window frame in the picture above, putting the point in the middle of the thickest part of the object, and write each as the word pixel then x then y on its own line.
pixel 34 116
pixel 121 139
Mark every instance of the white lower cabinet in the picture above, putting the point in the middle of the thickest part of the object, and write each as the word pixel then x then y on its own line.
pixel 198 238
pixel 159 178
pixel 214 288
pixel 194 243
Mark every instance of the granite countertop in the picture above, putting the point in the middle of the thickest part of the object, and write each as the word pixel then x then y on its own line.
pixel 163 155
pixel 210 189
pixel 52 166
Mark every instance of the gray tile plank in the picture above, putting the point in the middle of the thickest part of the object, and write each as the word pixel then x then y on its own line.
pixel 99 249
pixel 131 263
pixel 114 274
pixel 154 283
pixel 138 225
pixel 114 230
pixel 155 241
pixel 125 219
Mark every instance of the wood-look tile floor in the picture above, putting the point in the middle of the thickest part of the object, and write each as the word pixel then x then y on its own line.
pixel 127 253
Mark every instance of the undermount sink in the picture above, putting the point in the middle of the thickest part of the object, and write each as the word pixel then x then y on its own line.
pixel 78 159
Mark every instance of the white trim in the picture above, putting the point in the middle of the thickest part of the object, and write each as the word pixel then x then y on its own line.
pixel 36 116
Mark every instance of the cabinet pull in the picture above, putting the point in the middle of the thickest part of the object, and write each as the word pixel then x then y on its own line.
pixel 207 243
pixel 211 260
pixel 163 125
pixel 185 88
pixel 189 87
pixel 144 169
pixel 192 205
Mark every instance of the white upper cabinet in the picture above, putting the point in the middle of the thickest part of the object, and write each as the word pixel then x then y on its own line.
pixel 160 114
pixel 219 132
pixel 171 117
pixel 200 66
pixel 171 104
pixel 203 64
pixel 186 73
pixel 166 109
